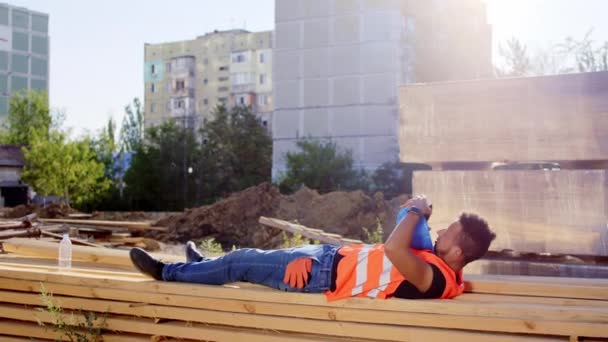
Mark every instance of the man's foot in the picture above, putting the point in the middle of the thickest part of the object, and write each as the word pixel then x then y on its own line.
pixel 146 263
pixel 192 254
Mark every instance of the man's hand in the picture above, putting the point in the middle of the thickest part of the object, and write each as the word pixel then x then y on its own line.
pixel 297 271
pixel 421 204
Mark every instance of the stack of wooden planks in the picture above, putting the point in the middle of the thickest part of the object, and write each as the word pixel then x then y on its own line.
pixel 136 308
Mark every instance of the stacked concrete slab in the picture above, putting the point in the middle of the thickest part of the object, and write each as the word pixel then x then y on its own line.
pixel 338 64
pixel 562 119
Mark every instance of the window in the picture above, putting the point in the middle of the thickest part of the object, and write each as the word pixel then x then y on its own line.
pixel 180 104
pixel 152 107
pixel 40 23
pixel 21 19
pixel 205 81
pixel 168 67
pixel 40 45
pixel 21 41
pixel 3 105
pixel 262 100
pixel 180 85
pixel 239 58
pixel 243 78
pixel 3 15
pixel 265 123
pixel 242 100
pixel 222 100
pixel 223 68
pixel 152 87
pixel 262 58
pixel 220 89
pixel 3 84
pixel 18 83
pixel 38 66
pixel 3 60
pixel 20 63
pixel 223 79
pixel 39 85
pixel 205 102
pixel 153 69
pixel 168 106
pixel 262 78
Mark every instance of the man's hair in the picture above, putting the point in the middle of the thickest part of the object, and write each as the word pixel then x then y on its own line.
pixel 475 238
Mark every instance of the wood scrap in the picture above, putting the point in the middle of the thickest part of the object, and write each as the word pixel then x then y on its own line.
pixel 116 224
pixel 74 240
pixel 311 233
pixel 29 232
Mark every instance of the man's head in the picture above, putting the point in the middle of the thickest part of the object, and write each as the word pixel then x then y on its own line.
pixel 465 240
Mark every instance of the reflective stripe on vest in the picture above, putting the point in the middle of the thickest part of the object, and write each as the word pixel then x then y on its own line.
pixel 365 271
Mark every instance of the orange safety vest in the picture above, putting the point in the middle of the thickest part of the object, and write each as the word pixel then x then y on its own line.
pixel 365 271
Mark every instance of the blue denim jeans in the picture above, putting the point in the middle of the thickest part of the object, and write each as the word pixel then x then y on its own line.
pixel 259 267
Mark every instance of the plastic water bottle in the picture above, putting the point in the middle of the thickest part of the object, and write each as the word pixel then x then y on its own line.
pixel 65 252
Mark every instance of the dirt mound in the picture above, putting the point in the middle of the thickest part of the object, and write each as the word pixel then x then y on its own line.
pixel 53 210
pixel 234 220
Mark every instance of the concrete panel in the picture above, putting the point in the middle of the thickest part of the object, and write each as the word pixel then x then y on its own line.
pixel 346 29
pixel 286 124
pixel 379 57
pixel 286 65
pixel 346 90
pixel 341 7
pixel 315 122
pixel 380 88
pixel 380 120
pixel 279 149
pixel 286 94
pixel 345 121
pixel 316 33
pixel 561 118
pixel 382 26
pixel 378 150
pixel 344 60
pixel 287 10
pixel 287 35
pixel 315 8
pixel 315 62
pixel 383 4
pixel 316 92
pixel 560 212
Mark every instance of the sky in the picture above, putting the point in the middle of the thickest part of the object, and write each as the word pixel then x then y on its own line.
pixel 96 52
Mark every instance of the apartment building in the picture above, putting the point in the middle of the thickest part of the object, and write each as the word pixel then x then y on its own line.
pixel 187 80
pixel 24 52
pixel 338 65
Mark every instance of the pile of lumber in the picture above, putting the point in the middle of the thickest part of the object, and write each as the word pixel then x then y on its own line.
pixel 86 232
pixel 137 308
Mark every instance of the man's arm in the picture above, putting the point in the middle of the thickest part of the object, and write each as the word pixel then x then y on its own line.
pixel 397 248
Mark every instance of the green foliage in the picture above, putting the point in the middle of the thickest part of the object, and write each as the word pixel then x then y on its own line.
pixel 374 236
pixel 132 131
pixel 28 112
pixel 395 178
pixel 89 328
pixel 321 165
pixel 211 248
pixel 294 240
pixel 56 166
pixel 237 151
pixel 585 55
pixel 158 178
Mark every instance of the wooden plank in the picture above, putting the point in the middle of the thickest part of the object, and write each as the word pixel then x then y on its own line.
pixel 118 224
pixel 562 117
pixel 74 240
pixel 315 234
pixel 82 253
pixel 195 330
pixel 340 325
pixel 559 212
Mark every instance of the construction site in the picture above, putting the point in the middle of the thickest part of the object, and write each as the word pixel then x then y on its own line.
pixel 544 279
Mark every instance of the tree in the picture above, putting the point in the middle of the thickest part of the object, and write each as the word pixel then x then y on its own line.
pixel 321 165
pixel 395 178
pixel 583 53
pixel 28 113
pixel 159 177
pixel 516 59
pixel 236 153
pixel 56 166
pixel 132 131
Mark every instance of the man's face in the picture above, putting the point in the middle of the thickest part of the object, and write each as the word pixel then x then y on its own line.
pixel 448 239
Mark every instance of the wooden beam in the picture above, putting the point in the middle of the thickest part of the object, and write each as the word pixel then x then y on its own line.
pixel 310 233
pixel 74 240
pixel 118 224
pixel 369 323
pixel 83 253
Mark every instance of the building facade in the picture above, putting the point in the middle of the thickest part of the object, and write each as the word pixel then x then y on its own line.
pixel 338 65
pixel 187 80
pixel 24 52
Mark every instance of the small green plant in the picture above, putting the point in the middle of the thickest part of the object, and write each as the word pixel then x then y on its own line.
pixel 375 236
pixel 295 240
pixel 211 248
pixel 86 329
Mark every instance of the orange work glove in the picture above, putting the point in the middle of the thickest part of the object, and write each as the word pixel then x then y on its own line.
pixel 296 273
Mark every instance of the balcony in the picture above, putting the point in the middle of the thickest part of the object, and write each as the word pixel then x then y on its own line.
pixel 182 92
pixel 243 88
